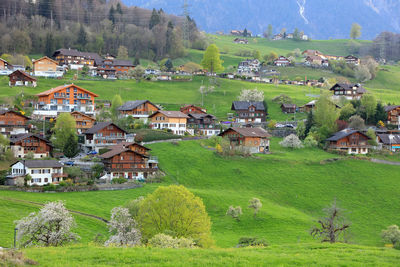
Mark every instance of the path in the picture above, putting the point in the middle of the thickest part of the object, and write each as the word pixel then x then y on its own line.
pixel 386 162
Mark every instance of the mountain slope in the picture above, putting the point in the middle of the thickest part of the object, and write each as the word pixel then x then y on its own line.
pixel 320 19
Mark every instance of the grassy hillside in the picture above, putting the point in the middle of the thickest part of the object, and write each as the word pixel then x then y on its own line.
pixel 299 255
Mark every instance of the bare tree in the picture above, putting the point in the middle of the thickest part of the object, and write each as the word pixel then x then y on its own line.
pixel 332 226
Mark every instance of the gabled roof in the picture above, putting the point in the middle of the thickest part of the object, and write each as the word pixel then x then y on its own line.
pixel 127 144
pixel 313 58
pixel 19 137
pixel 61 87
pixel 349 86
pixel 201 115
pixel 385 139
pixel 129 105
pixel 5 61
pixel 45 57
pixel 244 105
pixel 40 163
pixel 390 108
pixel 119 150
pixel 284 105
pixel 76 53
pixel 344 133
pixel 2 112
pixel 248 132
pixel 101 125
pixel 171 114
pixel 22 73
pixel 82 114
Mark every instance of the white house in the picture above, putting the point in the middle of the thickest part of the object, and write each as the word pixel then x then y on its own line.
pixel 176 121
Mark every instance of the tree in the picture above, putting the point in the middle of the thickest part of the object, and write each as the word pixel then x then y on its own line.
pixel 368 101
pixel 137 73
pixel 371 134
pixel 362 73
pixel 355 31
pixel 51 226
pixel 326 114
pixel 332 226
pixel 310 141
pixel 301 130
pixel 256 54
pixel 391 235
pixel 191 67
pixel 234 212
pixel 309 122
pixel 116 102
pixel 297 52
pixel 154 19
pixel 82 37
pixel 64 128
pixel 168 64
pixel 291 141
pixel 251 95
pixel 111 14
pixel 268 32
pixel 296 34
pixel 211 59
pixel 70 148
pixel 347 111
pixel 122 52
pixel 282 99
pixel 50 45
pixel 271 57
pixel 256 205
pixel 175 210
pixel 124 228
pixel 356 123
pixel 97 170
pixel 134 206
pixel 73 172
pixel 167 241
pixel 380 113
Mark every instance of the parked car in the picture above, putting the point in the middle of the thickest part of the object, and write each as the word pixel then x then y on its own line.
pixel 93 152
pixel 69 163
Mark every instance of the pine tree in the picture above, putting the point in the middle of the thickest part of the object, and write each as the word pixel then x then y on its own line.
pixel 71 147
pixel 50 45
pixel 380 113
pixel 309 123
pixel 168 64
pixel 111 14
pixel 119 9
pixel 82 37
pixel 154 19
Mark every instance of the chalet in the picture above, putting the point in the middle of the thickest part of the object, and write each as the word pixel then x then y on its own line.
pixel 350 91
pixel 83 122
pixel 203 124
pixel 46 67
pixel 42 172
pixel 241 33
pixel 12 122
pixel 249 66
pixel 290 36
pixel 332 57
pixel 310 52
pixel 192 109
pixel 316 61
pixel 247 111
pixel 352 60
pixel 393 113
pixel 176 121
pixel 22 144
pixel 125 162
pixel 349 141
pixel 288 108
pixel 75 59
pixel 240 41
pixel 5 67
pixel 104 135
pixel 311 105
pixel 389 141
pixel 20 78
pixel 138 109
pixel 277 37
pixel 110 67
pixel 256 140
pixel 65 98
pixel 282 61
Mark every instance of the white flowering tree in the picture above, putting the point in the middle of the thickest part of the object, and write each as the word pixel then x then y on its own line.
pixel 51 226
pixel 125 229
pixel 256 205
pixel 234 212
pixel 291 141
pixel 251 95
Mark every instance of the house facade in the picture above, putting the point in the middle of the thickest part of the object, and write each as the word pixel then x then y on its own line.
pixel 349 141
pixel 249 66
pixel 65 98
pixel 350 91
pixel 104 135
pixel 138 109
pixel 390 141
pixel 12 122
pixel 316 61
pixel 282 61
pixel 42 172
pixel 83 122
pixel 288 108
pixel 352 60
pixel 111 67
pixel 176 121
pixel 46 67
pixel 247 111
pixel 23 144
pixel 192 109
pixel 20 78
pixel 256 140
pixel 393 114
pixel 5 67
pixel 75 59
pixel 203 124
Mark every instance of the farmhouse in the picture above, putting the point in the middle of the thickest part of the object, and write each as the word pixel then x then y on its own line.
pixel 192 109
pixel 288 108
pixel 310 52
pixel 176 121
pixel 349 141
pixel 247 111
pixel 203 124
pixel 256 140
pixel 110 67
pixel 393 113
pixel 5 67
pixel 83 122
pixel 249 66
pixel 350 91
pixel 75 59
pixel 22 144
pixel 316 61
pixel 389 141
pixel 282 61
pixel 138 109
pixel 20 78
pixel 352 60
pixel 46 67
pixel 104 135
pixel 65 98
pixel 240 41
pixel 12 122
pixel 42 172
pixel 277 37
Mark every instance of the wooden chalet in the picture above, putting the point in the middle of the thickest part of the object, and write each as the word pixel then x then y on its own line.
pixel 176 121
pixel 4 65
pixel 46 67
pixel 349 141
pixel 256 140
pixel 352 60
pixel 282 61
pixel 203 124
pixel 310 52
pixel 350 91
pixel 74 58
pixel 104 135
pixel 240 41
pixel 192 109
pixel 111 67
pixel 316 61
pixel 247 111
pixel 138 109
pixel 288 108
pixel 393 114
pixel 389 141
pixel 22 144
pixel 20 78
pixel 12 122
pixel 83 122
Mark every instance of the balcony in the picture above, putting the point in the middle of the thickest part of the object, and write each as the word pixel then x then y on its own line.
pixel 153 159
pixel 83 97
pixel 59 175
pixel 60 96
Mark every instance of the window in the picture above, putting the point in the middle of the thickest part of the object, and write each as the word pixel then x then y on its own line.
pixel 182 125
pixel 46 180
pixel 75 90
pixel 172 125
pixel 67 90
pixel 122 158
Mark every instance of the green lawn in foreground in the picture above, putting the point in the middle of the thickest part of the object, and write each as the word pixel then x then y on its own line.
pixel 299 255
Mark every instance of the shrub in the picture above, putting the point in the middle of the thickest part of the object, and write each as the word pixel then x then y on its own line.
pixel 291 141
pixel 125 229
pixel 234 212
pixel 167 241
pixel 120 180
pixel 252 241
pixel 310 141
pixel 50 187
pixel 255 204
pixel 392 235
pixel 271 124
pixel 134 205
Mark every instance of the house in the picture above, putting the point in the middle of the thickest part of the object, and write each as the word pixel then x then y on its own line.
pixel 203 124
pixel 176 121
pixel 248 111
pixel 256 140
pixel 393 113
pixel 20 78
pixel 42 172
pixel 111 67
pixel 311 105
pixel 352 60
pixel 5 67
pixel 349 141
pixel 65 98
pixel 288 108
pixel 138 109
pixel 192 109
pixel 310 52
pixel 75 59
pixel 104 135
pixel 316 61
pixel 289 36
pixel 46 67
pixel 22 144
pixel 125 161
pixel 389 141
pixel 304 37
pixel 12 122
pixel 277 37
pixel 350 91
pixel 240 33
pixel 282 61
pixel 249 66
pixel 83 122
pixel 240 41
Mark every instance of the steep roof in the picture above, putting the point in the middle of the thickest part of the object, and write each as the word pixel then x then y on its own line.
pixel 249 132
pixel 344 133
pixel 83 114
pixel 201 115
pixel 288 105
pixel 22 73
pixel 19 137
pixel 390 108
pixel 61 87
pixel 171 114
pixel 349 86
pixel 4 111
pixel 118 150
pixel 41 163
pixel 76 53
pixel 387 141
pixel 101 125
pixel 129 105
pixel 244 105
pixel 45 57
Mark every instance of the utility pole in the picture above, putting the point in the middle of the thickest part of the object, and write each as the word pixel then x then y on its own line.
pixel 186 24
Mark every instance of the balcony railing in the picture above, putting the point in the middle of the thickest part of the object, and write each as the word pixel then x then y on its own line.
pixel 59 175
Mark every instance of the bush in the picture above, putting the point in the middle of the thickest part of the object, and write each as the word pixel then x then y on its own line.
pixel 252 241
pixel 234 212
pixel 120 180
pixel 392 235
pixel 291 141
pixel 50 187
pixel 167 241
pixel 310 141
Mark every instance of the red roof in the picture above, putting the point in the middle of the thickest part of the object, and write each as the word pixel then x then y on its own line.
pixel 58 88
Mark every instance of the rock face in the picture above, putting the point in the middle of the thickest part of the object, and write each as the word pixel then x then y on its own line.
pixel 320 19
